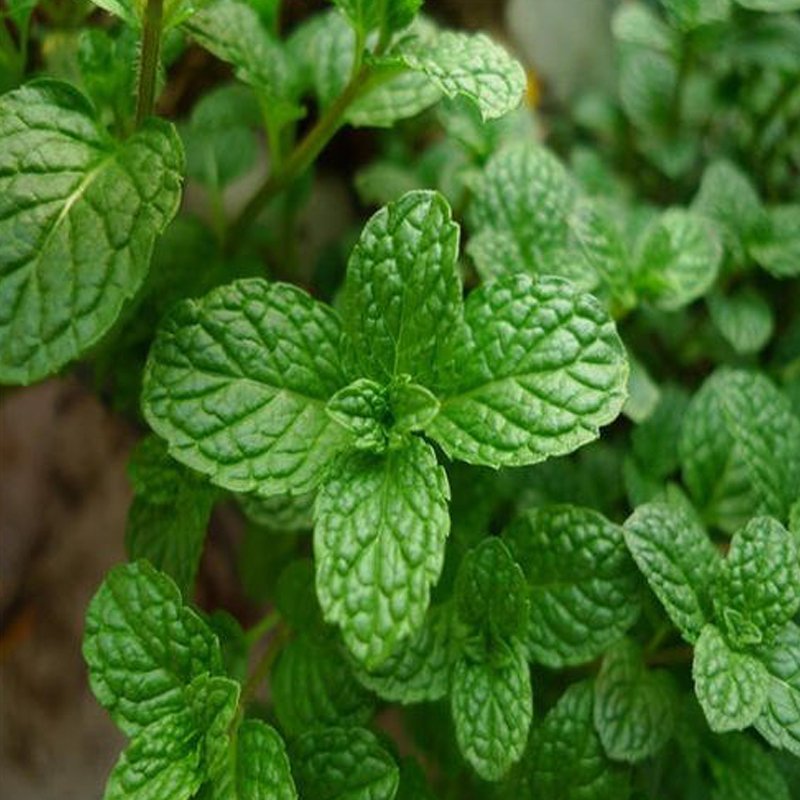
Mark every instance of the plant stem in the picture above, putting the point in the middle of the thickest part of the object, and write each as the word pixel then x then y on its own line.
pixel 262 627
pixel 263 665
pixel 301 157
pixel 148 66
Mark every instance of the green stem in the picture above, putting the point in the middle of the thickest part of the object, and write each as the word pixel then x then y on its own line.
pixel 262 627
pixel 263 666
pixel 148 67
pixel 301 157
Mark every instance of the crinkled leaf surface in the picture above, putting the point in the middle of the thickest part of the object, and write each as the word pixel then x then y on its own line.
pixel 678 259
pixel 471 65
pixel 403 289
pixel 534 371
pixel 144 646
pixel 633 706
pixel 381 525
pixel 79 214
pixel 362 408
pixel 170 511
pixel 237 384
pixel 565 759
pixel 492 707
pixel 744 770
pixel 678 560
pixel 491 594
pixel 740 449
pixel 419 671
pixel 343 764
pixel 759 580
pixel 312 685
pixel 581 582
pixel 779 722
pixel 731 686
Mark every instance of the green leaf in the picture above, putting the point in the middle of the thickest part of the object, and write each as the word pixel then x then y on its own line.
pixel 678 259
pixel 213 703
pixel 633 706
pixel 743 770
pixel 413 406
pixel 691 14
pixel 492 706
pixel 281 512
pixel 403 289
pixel 419 671
pixel 144 647
pixel 262 766
pixel 635 23
pixel 363 409
pixel 646 88
pixel 728 198
pixel 779 251
pixel 740 449
pixel 779 721
pixel 643 392
pixel 678 560
pixel 164 762
pixel 381 525
pixel 343 764
pixel 534 371
pixel 79 214
pixel 169 515
pixel 655 440
pixel 257 767
pixel 237 384
pixel 744 319
pixel 312 686
pixel 759 581
pixel 731 686
pixel 581 582
pixel 566 759
pixel 520 216
pixel 232 31
pixel 367 14
pixel 132 11
pixel 775 6
pixel 491 595
pixel 471 65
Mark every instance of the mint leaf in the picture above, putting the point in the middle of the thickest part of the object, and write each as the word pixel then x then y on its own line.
pixel 728 198
pixel 213 703
pixel 775 6
pixel 779 721
pixel 413 406
pixel 163 763
pixel 635 23
pixel 367 14
pixel 740 449
pixel 144 647
pixel 678 560
pixel 779 251
pixel 758 585
pixel 633 707
pixel 581 582
pixel 262 767
pixel 654 441
pixel 678 259
pixel 646 86
pixel 363 409
pixel 282 513
pixel 132 11
pixel 312 686
pixel 743 770
pixel 419 671
pixel 744 319
pixel 731 686
pixel 492 707
pixel 169 515
pixel 232 31
pixel 471 65
pixel 565 756
pixel 691 14
pixel 339 763
pixel 403 289
pixel 534 371
pixel 79 214
pixel 491 595
pixel 237 384
pixel 381 525
pixel 257 767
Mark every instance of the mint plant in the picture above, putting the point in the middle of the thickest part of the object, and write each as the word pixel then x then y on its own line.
pixel 520 514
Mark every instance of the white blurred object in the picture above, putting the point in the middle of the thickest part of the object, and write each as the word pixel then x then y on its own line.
pixel 568 42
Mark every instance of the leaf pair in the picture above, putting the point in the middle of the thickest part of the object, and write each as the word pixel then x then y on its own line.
pixel 157 668
pixel 246 385
pixel 737 612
